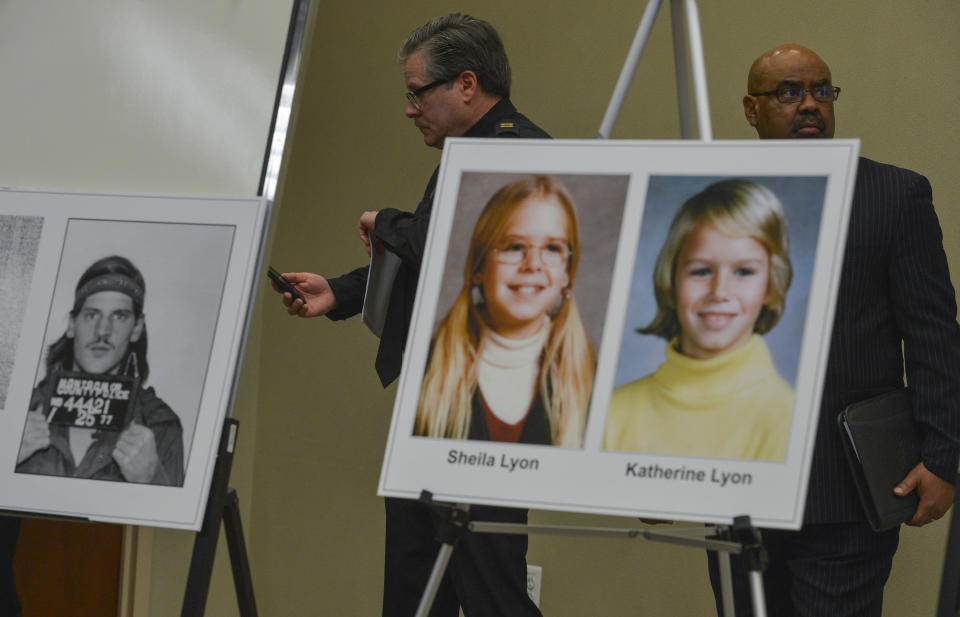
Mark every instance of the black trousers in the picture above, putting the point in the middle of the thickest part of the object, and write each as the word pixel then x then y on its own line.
pixel 835 570
pixel 9 601
pixel 486 576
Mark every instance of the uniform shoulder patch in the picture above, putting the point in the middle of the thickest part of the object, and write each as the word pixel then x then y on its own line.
pixel 507 127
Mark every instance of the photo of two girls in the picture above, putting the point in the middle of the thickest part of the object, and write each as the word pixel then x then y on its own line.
pixel 711 339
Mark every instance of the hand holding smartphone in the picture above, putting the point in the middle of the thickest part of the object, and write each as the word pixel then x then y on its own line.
pixel 284 285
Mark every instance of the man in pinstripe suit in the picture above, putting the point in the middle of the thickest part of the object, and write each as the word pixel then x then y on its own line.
pixel 896 311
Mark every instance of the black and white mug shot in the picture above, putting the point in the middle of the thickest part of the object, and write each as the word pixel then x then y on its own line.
pixel 99 365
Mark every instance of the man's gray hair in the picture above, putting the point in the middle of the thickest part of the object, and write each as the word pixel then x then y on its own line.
pixel 455 43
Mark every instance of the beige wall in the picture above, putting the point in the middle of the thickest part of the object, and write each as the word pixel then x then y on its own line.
pixel 315 532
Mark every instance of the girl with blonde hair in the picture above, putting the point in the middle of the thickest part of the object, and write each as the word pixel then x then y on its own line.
pixel 511 360
pixel 720 281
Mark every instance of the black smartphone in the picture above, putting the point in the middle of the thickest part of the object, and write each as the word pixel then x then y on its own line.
pixel 284 284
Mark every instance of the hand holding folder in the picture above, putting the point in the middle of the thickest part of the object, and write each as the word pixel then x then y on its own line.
pixel 936 494
pixel 882 445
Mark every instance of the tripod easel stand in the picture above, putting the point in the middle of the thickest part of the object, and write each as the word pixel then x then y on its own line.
pixel 680 61
pixel 740 538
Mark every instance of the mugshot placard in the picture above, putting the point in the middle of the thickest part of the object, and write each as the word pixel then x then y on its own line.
pixel 133 314
pixel 628 328
pixel 96 402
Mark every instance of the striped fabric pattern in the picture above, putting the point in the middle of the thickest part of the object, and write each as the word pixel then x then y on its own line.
pixel 895 287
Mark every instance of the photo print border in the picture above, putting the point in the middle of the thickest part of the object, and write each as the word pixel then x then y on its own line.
pixel 198 257
pixel 589 478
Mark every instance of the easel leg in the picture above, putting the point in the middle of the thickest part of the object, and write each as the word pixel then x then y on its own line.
pixel 205 544
pixel 453 519
pixel 681 63
pixel 629 69
pixel 433 584
pixel 726 584
pixel 755 559
pixel 756 594
pixel 694 38
pixel 222 505
pixel 242 580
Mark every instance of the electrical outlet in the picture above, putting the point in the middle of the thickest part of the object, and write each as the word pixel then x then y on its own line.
pixel 534 583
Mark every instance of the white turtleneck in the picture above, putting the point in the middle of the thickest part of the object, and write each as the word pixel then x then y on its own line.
pixel 507 372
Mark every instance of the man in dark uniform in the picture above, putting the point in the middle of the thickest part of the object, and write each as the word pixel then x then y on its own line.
pixel 459 79
pixel 896 312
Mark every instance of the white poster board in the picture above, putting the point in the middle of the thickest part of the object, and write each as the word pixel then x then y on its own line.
pixel 150 292
pixel 746 450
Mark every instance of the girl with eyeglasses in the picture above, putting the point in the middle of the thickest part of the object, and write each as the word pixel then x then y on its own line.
pixel 511 361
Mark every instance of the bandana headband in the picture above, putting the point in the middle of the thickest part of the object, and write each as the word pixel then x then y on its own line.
pixel 111 282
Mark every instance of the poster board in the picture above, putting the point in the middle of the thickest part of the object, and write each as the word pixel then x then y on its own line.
pixel 626 196
pixel 196 259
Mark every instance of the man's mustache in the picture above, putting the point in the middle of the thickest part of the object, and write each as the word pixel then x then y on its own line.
pixel 809 119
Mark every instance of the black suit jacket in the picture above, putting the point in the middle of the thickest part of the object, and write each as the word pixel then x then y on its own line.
pixel 405 233
pixel 895 287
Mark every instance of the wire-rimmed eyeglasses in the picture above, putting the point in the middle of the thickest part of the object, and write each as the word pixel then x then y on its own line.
pixel 552 255
pixel 794 94
pixel 413 95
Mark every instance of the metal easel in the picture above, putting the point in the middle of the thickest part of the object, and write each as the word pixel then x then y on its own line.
pixel 740 538
pixel 681 61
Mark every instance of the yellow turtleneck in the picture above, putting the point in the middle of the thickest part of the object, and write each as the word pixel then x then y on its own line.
pixel 735 405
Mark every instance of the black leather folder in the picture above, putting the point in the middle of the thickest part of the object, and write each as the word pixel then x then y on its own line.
pixel 882 444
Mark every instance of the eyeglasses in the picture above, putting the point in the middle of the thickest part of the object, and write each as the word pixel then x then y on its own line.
pixel 551 255
pixel 413 95
pixel 795 94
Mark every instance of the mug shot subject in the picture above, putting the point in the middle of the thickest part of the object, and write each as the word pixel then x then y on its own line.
pixel 720 281
pixel 106 334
